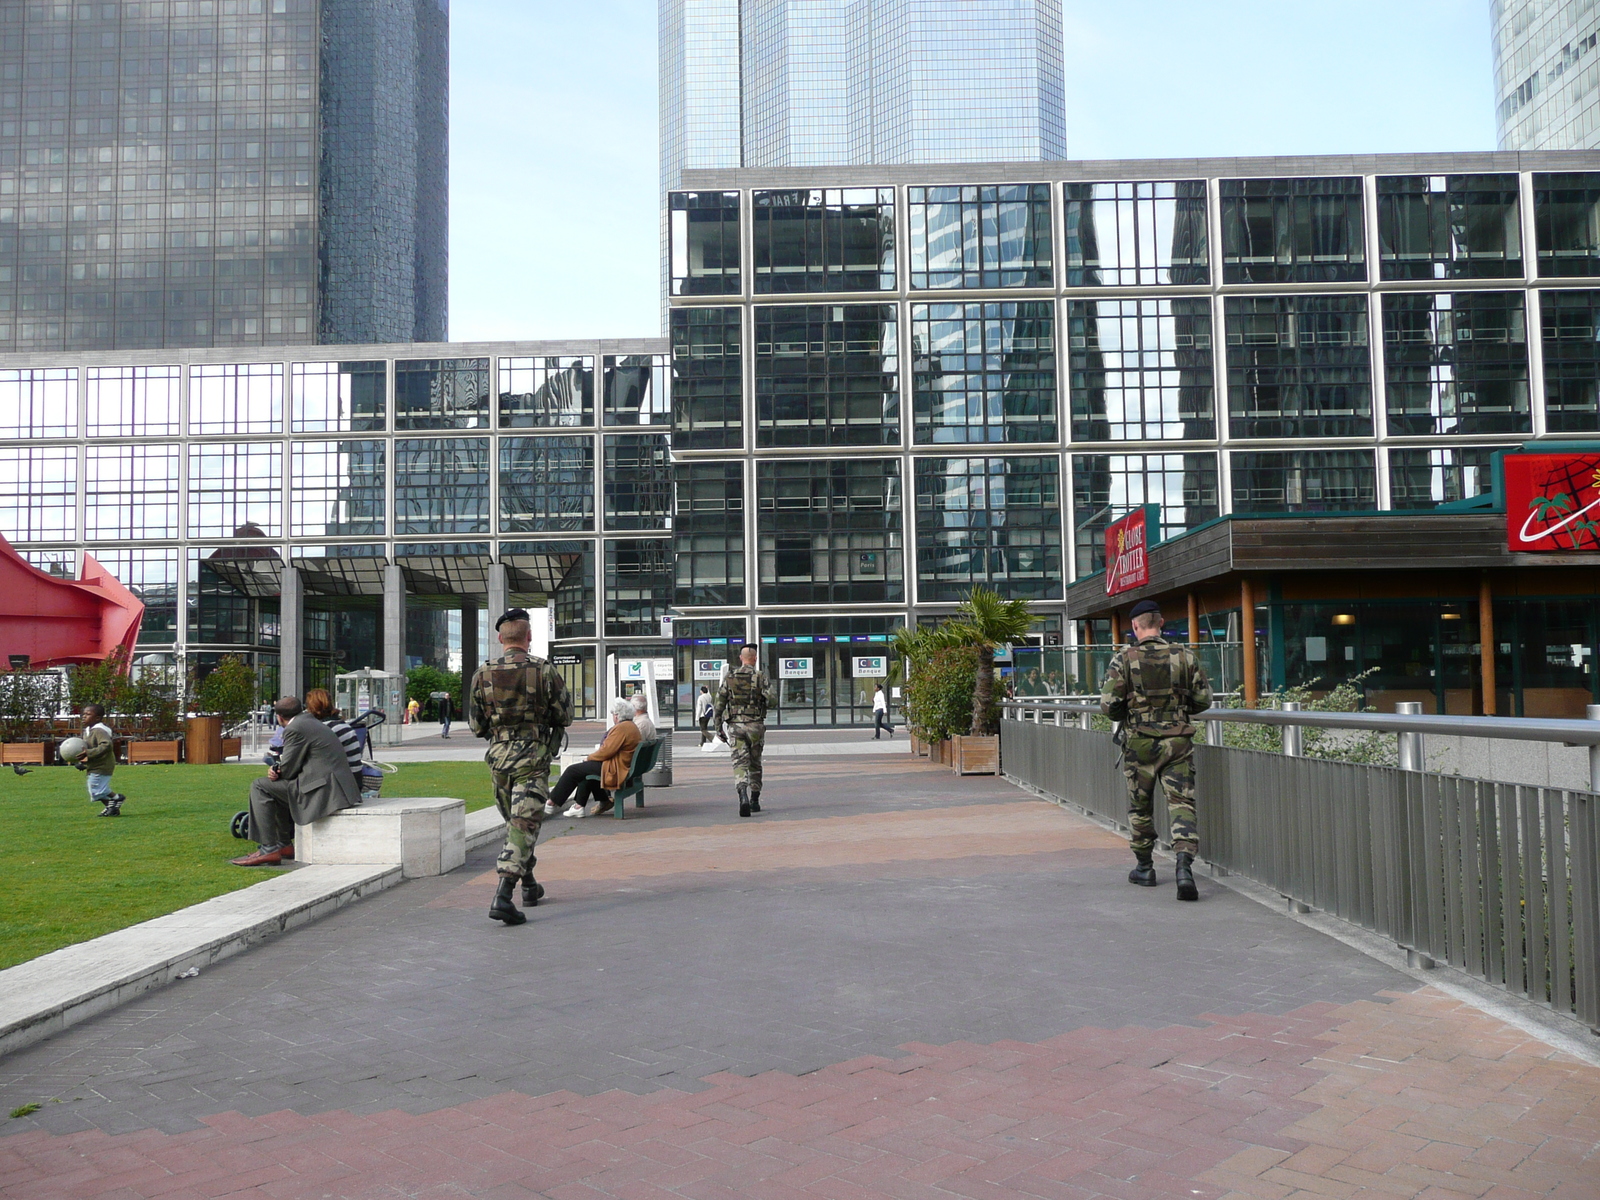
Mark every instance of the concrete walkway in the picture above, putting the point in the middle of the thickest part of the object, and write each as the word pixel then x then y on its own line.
pixel 893 983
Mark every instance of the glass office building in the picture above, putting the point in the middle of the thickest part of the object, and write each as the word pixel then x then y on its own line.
pixel 797 83
pixel 222 173
pixel 892 384
pixel 881 387
pixel 1546 74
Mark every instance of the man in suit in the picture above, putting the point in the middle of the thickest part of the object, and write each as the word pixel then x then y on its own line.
pixel 311 780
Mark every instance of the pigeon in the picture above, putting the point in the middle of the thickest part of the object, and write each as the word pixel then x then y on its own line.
pixel 19 770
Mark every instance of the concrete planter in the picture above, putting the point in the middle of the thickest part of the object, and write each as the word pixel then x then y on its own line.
pixel 975 755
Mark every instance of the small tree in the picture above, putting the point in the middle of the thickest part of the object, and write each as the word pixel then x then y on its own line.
pixel 422 681
pixel 229 691
pixel 104 683
pixel 986 622
pixel 939 692
pixel 27 702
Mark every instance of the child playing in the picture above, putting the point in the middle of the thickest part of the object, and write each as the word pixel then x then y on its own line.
pixel 100 759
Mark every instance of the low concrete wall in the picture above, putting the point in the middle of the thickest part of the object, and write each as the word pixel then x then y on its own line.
pixel 1540 764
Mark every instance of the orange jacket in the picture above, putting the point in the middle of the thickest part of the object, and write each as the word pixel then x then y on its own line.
pixel 615 755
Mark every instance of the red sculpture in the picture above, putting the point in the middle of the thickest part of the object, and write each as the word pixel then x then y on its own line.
pixel 60 621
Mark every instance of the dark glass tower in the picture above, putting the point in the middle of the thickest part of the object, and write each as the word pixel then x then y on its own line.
pixel 222 172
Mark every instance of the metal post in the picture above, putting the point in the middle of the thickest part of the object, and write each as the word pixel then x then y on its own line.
pixel 1086 720
pixel 1293 735
pixel 291 633
pixel 1593 713
pixel 498 601
pixel 1058 715
pixel 394 620
pixel 1410 744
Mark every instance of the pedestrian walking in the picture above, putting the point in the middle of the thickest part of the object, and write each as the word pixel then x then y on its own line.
pixel 880 714
pixel 1153 687
pixel 446 711
pixel 741 709
pixel 702 712
pixel 521 705
pixel 412 709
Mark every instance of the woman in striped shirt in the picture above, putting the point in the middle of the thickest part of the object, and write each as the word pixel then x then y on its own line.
pixel 320 705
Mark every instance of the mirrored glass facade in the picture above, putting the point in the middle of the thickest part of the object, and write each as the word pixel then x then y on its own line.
pixel 1141 370
pixel 639 582
pixel 1298 366
pixel 708 528
pixel 1304 481
pixel 1543 74
pixel 221 173
pixel 546 484
pixel 1456 363
pixel 1136 234
pixel 638 487
pixel 337 489
pixel 132 493
pixel 38 403
pixel 980 237
pixel 1293 231
pixel 829 532
pixel 1108 486
pixel 1566 215
pixel 827 240
pixel 983 372
pixel 1449 227
pixel 1571 336
pixel 827 375
pixel 707 378
pixel 134 401
pixel 990 521
pixel 444 393
pixel 554 392
pixel 1429 478
pixel 638 389
pixel 339 397
pixel 38 493
pixel 441 485
pixel 703 233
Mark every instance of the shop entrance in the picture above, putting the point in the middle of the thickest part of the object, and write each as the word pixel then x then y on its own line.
pixel 827 668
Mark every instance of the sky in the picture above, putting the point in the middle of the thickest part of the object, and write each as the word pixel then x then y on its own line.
pixel 553 125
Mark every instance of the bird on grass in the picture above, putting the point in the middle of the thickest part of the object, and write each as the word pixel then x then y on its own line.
pixel 19 770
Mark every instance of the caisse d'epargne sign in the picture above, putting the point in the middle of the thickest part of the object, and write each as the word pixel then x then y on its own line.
pixel 1552 502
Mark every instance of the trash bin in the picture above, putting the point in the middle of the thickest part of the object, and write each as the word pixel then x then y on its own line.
pixel 661 774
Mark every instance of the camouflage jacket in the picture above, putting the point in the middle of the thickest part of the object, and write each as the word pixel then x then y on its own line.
pixel 1154 688
pixel 518 696
pixel 745 697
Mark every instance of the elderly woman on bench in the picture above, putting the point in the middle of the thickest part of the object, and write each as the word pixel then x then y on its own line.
pixel 603 771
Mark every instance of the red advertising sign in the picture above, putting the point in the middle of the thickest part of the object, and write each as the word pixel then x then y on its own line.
pixel 1127 540
pixel 1552 502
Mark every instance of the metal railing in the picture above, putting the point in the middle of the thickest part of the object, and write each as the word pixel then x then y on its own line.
pixel 1500 880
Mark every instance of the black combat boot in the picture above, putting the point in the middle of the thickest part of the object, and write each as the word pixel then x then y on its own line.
pixel 1186 887
pixel 1144 871
pixel 502 909
pixel 755 801
pixel 532 892
pixel 744 800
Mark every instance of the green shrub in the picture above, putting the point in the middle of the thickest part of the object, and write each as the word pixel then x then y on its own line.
pixel 939 693
pixel 1340 745
pixel 229 691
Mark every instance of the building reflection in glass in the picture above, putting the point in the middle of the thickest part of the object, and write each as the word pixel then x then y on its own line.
pixel 1136 234
pixel 1141 370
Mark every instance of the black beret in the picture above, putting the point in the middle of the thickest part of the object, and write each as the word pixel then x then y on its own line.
pixel 1143 607
pixel 749 646
pixel 512 614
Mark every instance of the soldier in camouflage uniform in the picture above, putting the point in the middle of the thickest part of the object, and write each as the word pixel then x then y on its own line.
pixel 1153 688
pixel 742 703
pixel 521 705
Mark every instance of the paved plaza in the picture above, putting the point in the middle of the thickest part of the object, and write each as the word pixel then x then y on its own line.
pixel 893 983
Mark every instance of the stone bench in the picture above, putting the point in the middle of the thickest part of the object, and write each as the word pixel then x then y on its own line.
pixel 425 835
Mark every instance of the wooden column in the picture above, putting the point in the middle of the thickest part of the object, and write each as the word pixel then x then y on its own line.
pixel 1247 638
pixel 1486 643
pixel 1194 619
pixel 1116 627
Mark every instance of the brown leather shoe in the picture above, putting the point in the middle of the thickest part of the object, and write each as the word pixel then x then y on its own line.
pixel 288 852
pixel 605 805
pixel 269 858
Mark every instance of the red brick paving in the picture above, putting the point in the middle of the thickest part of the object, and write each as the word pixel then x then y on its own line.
pixel 1420 1097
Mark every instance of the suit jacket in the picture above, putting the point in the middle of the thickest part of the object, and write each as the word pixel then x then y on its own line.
pixel 615 754
pixel 315 762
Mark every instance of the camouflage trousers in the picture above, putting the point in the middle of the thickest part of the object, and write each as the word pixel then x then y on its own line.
pixel 747 741
pixel 520 769
pixel 1145 760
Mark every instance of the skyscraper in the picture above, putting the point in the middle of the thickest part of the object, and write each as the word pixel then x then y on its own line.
pixel 222 172
pixel 1547 74
pixel 791 83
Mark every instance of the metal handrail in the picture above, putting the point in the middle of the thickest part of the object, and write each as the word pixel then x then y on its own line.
pixel 1408 727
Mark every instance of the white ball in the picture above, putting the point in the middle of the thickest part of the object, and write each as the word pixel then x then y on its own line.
pixel 73 748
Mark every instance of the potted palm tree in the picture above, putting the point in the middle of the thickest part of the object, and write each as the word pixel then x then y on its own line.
pixel 987 621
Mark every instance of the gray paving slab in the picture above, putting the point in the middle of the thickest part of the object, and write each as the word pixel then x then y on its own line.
pixel 414 1000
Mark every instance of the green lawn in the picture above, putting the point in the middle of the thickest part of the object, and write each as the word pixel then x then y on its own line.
pixel 67 875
